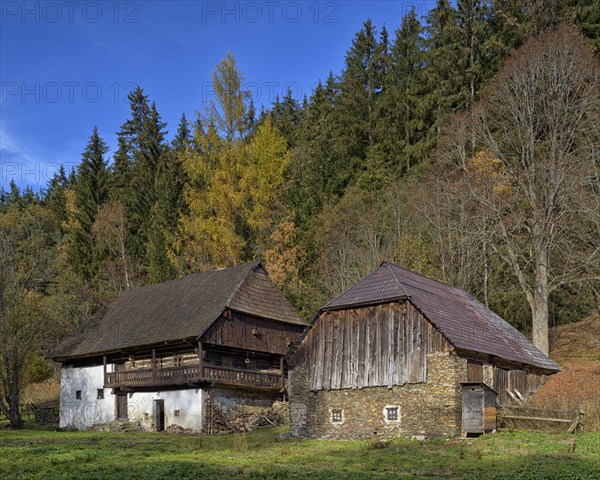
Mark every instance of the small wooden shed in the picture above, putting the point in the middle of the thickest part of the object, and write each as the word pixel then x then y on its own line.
pixel 478 409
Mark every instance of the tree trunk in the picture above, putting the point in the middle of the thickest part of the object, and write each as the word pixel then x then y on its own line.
pixel 9 406
pixel 15 419
pixel 539 308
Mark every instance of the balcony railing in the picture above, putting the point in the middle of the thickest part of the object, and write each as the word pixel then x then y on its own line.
pixel 150 377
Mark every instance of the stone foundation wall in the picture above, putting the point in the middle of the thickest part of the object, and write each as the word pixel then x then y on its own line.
pixel 432 408
pixel 233 399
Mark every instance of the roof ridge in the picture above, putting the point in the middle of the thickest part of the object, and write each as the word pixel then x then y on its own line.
pixel 424 276
pixel 396 278
pixel 234 292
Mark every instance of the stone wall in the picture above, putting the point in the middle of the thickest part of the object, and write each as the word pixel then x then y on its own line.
pixel 488 375
pixel 432 408
pixel 230 399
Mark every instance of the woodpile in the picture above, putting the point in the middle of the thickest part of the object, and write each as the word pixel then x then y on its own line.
pixel 45 413
pixel 237 421
pixel 178 429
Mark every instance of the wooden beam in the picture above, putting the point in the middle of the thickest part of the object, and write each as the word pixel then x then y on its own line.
pixel 540 419
pixel 154 366
pixel 200 359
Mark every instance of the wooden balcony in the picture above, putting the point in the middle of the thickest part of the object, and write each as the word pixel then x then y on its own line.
pixel 193 374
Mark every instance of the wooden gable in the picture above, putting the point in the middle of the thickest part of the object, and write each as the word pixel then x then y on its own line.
pixel 380 345
pixel 237 330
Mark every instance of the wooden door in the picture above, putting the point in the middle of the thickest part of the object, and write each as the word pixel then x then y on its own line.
pixel 472 411
pixel 159 413
pixel 121 409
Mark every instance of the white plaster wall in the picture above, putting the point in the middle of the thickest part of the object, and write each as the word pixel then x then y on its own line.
pixel 141 407
pixel 90 410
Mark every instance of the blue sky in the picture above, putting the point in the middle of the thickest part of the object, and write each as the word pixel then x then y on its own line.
pixel 67 66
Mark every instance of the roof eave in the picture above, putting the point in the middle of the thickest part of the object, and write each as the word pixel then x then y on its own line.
pixel 363 304
pixel 63 358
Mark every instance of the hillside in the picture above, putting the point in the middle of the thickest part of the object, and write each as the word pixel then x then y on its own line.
pixel 576 347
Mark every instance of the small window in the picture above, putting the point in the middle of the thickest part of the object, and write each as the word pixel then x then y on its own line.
pixel 78 394
pixel 392 413
pixel 100 394
pixel 336 415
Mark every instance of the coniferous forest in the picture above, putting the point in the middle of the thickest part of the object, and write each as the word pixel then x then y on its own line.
pixel 463 145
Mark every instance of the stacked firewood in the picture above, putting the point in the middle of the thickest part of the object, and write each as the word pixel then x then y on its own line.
pixel 45 413
pixel 179 430
pixel 243 421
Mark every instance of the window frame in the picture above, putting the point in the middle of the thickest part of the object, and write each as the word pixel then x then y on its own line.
pixel 337 415
pixel 391 414
pixel 387 409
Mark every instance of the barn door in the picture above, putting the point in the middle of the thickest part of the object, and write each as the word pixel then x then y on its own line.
pixel 121 409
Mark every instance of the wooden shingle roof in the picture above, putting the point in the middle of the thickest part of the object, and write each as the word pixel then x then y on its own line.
pixel 180 309
pixel 464 321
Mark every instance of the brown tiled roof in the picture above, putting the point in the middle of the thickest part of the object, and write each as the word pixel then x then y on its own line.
pixel 464 321
pixel 180 309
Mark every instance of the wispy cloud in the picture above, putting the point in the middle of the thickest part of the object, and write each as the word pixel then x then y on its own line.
pixel 19 162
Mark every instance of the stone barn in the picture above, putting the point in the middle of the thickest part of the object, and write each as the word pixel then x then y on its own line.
pixel 393 355
pixel 176 354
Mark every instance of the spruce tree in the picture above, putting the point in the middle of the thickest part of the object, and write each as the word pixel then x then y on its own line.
pixel 285 116
pixel 476 56
pixel 402 117
pixel 144 179
pixel 55 198
pixel 360 85
pixel 168 206
pixel 318 169
pixel 120 187
pixel 91 192
pixel 444 80
pixel 14 195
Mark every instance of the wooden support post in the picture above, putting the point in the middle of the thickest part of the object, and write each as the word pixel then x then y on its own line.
pixel 281 366
pixel 104 366
pixel 154 367
pixel 200 360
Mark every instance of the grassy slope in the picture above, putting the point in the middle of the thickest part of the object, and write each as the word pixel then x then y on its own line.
pixel 576 347
pixel 262 454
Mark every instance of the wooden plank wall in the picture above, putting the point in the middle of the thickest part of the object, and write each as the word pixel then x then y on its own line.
pixel 250 333
pixel 514 379
pixel 501 384
pixel 474 371
pixel 382 345
pixel 534 381
pixel 517 380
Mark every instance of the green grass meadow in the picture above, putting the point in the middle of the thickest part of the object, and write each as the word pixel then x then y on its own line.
pixel 262 454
